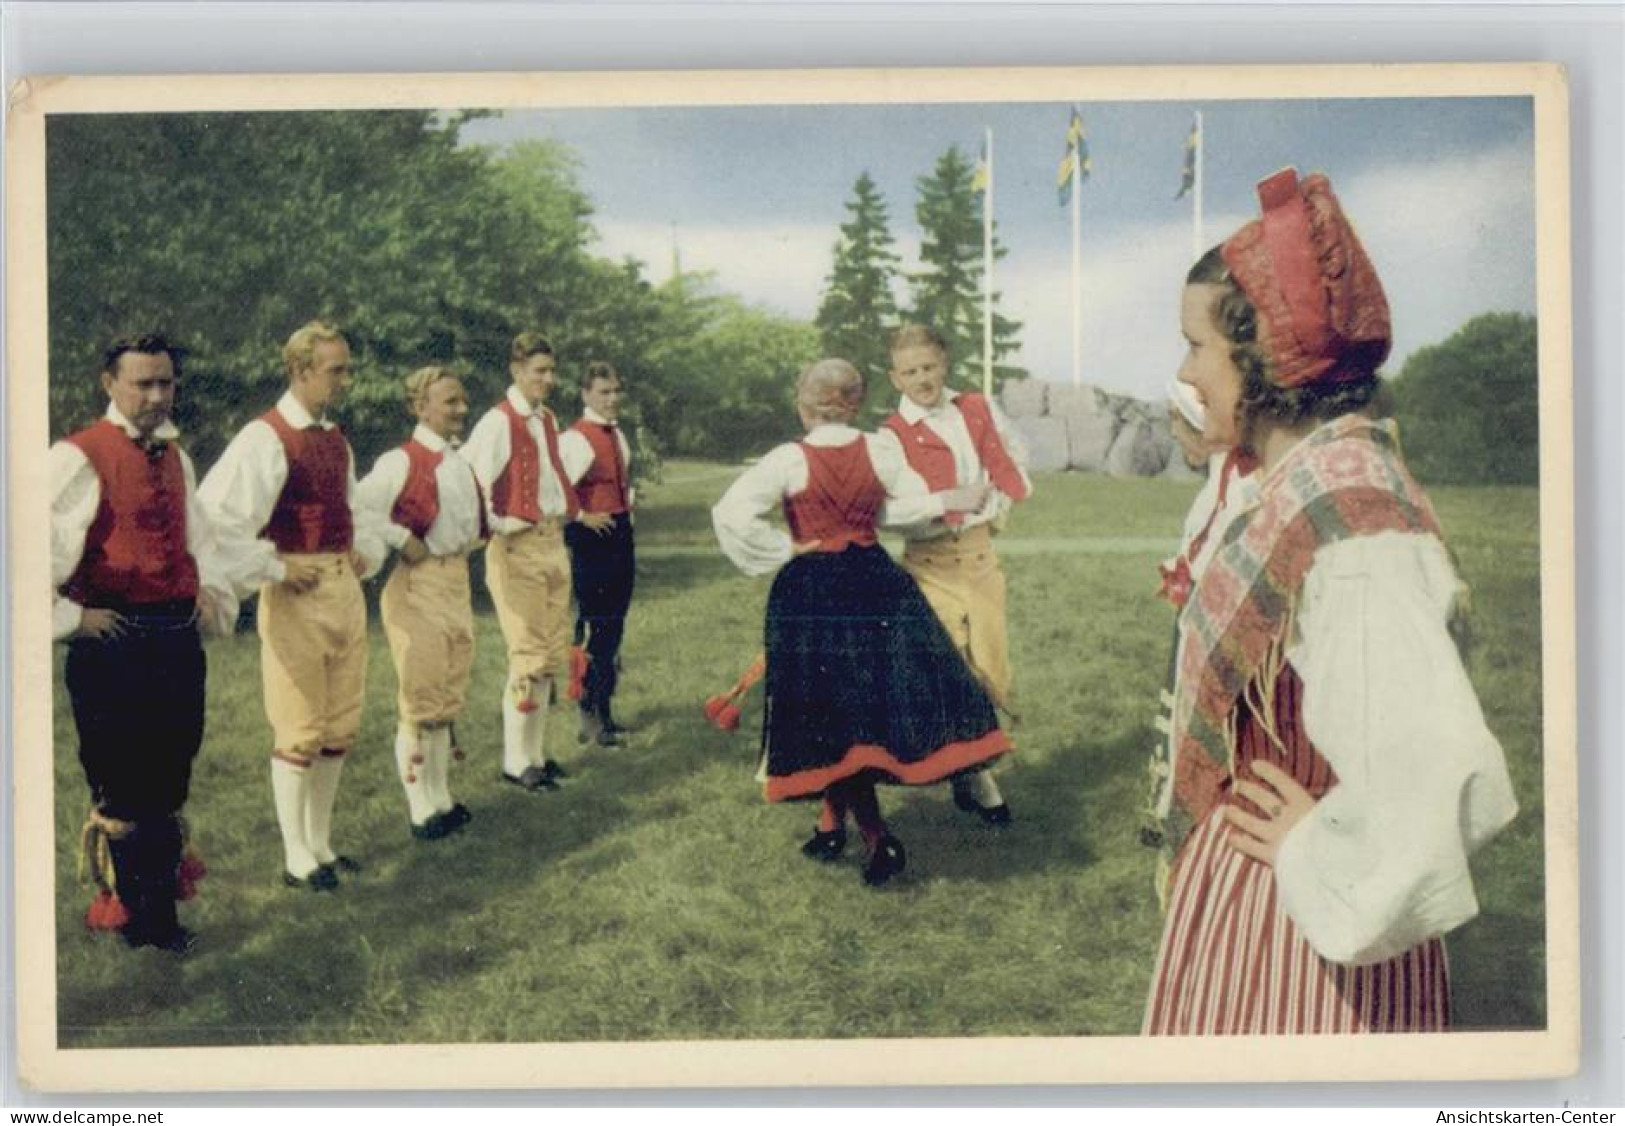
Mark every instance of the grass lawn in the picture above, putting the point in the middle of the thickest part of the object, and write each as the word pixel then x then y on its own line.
pixel 656 896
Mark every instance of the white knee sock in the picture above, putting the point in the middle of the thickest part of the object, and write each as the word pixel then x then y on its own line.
pixel 437 766
pixel 290 786
pixel 324 789
pixel 536 734
pixel 410 745
pixel 515 726
pixel 981 786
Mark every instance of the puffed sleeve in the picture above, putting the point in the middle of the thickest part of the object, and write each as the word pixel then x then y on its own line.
pixel 755 546
pixel 378 492
pixel 218 606
pixel 1381 863
pixel 238 496
pixel 486 452
pixel 75 494
pixel 575 453
pixel 909 501
pixel 369 526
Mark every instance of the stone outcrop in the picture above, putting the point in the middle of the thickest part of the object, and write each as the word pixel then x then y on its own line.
pixel 1093 431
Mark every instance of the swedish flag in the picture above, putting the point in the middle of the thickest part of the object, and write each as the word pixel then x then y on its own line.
pixel 1076 144
pixel 1188 177
pixel 984 174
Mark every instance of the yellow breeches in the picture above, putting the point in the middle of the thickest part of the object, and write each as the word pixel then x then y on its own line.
pixel 430 627
pixel 313 659
pixel 529 576
pixel 960 578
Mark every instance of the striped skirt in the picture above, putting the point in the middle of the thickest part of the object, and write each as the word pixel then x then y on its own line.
pixel 1232 963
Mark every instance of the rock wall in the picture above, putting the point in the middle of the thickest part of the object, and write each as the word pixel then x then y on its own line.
pixel 1093 431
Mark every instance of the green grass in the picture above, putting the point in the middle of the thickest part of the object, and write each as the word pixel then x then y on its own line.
pixel 657 896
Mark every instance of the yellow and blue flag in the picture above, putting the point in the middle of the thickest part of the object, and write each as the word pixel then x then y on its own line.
pixel 983 175
pixel 1188 177
pixel 1075 158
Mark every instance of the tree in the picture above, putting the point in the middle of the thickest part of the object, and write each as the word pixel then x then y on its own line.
pixel 859 313
pixel 948 291
pixel 1468 408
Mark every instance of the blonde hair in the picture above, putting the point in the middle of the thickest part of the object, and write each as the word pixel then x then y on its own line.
pixel 917 336
pixel 830 390
pixel 418 383
pixel 299 352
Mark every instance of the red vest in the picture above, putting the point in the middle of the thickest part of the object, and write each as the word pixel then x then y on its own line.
pixel 841 503
pixel 418 505
pixel 931 458
pixel 312 513
pixel 516 491
pixel 602 487
pixel 135 549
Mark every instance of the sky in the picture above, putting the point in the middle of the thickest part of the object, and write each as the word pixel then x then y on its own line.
pixel 1441 191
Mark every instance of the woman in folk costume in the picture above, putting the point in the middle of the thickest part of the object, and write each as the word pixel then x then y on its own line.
pixel 1326 743
pixel 433 513
pixel 863 683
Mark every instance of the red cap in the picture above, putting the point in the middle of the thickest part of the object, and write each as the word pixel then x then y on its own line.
pixel 1322 315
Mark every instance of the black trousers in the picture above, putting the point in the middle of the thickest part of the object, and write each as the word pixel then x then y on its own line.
pixel 138 705
pixel 602 570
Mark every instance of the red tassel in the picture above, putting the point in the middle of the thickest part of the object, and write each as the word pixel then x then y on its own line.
pixel 578 672
pixel 727 719
pixel 106 913
pixel 714 706
pixel 192 870
pixel 457 754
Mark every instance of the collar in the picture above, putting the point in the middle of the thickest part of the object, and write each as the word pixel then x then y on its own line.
pixel 590 415
pixel 831 434
pixel 166 432
pixel 428 439
pixel 517 400
pixel 298 417
pixel 914 414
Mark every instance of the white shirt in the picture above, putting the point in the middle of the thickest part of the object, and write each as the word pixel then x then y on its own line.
pixel 1380 864
pixel 946 421
pixel 490 446
pixel 76 494
pixel 456 527
pixel 756 547
pixel 241 491
pixel 576 454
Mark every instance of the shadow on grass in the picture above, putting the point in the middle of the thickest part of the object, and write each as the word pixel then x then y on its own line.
pixel 1490 988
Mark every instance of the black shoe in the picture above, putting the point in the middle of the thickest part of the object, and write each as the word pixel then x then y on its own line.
pixel 615 728
pixel 432 829
pixel 177 940
pixel 885 861
pixel 456 817
pixel 346 864
pixel 825 846
pixel 553 771
pixel 534 779
pixel 321 879
pixel 991 814
pixel 608 738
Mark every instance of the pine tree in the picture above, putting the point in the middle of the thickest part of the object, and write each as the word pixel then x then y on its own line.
pixel 948 291
pixel 859 313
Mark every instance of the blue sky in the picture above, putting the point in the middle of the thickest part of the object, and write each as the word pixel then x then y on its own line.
pixel 1440 189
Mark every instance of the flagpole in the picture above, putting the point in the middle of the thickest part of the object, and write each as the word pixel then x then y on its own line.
pixel 1077 264
pixel 1197 246
pixel 987 273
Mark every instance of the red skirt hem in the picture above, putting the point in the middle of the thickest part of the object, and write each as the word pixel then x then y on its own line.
pixel 948 759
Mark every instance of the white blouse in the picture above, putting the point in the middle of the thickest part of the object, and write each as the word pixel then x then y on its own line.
pixel 456 527
pixel 1380 864
pixel 948 423
pixel 76 494
pixel 757 547
pixel 488 449
pixel 241 491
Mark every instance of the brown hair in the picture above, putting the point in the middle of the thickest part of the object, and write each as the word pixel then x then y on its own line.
pixel 528 344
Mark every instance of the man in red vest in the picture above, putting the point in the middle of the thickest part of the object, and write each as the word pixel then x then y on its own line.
pixel 514 450
pixel 596 458
pixel 282 498
pixel 135 574
pixel 956 438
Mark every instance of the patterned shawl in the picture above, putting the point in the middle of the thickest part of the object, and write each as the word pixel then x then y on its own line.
pixel 1345 479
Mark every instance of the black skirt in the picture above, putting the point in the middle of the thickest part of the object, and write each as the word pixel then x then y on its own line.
pixel 862 677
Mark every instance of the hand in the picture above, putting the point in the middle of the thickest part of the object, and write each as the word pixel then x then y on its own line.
pixel 805 546
pixel 302 575
pixel 965 498
pixel 598 522
pixel 216 615
pixel 1284 803
pixel 358 563
pixel 101 624
pixel 413 550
